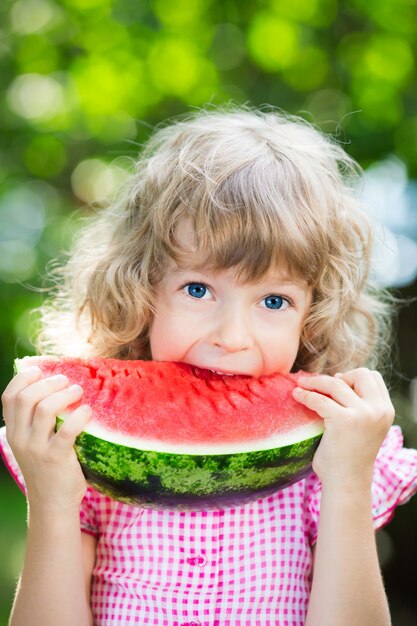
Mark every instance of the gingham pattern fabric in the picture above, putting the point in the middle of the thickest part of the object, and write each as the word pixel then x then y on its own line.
pixel 249 565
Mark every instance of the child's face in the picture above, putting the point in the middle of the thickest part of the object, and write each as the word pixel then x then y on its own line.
pixel 211 320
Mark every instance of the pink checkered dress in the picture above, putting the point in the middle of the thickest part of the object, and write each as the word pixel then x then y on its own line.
pixel 249 565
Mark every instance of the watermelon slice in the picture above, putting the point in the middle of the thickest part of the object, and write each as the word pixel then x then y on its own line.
pixel 174 435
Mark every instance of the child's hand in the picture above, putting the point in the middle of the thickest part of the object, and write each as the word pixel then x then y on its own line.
pixel 357 413
pixel 52 474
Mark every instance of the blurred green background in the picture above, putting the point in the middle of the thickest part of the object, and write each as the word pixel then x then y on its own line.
pixel 85 81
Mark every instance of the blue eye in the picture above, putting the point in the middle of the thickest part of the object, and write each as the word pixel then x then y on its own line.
pixel 274 302
pixel 196 290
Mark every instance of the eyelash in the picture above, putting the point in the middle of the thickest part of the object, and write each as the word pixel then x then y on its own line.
pixel 288 301
pixel 194 282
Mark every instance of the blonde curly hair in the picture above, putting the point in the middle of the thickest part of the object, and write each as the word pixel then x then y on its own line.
pixel 260 188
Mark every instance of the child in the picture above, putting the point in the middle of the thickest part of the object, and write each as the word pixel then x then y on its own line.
pixel 238 246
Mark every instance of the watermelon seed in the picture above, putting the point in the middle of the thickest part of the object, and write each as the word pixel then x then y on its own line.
pixel 101 381
pixel 213 404
pixel 93 371
pixel 246 395
pixel 230 401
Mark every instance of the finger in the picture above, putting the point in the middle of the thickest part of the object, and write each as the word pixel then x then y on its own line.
pixel 28 398
pixel 335 388
pixel 47 410
pixel 381 385
pixel 15 386
pixel 389 409
pixel 362 381
pixel 321 404
pixel 69 430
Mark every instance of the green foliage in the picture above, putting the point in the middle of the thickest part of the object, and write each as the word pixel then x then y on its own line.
pixel 84 81
pixel 12 542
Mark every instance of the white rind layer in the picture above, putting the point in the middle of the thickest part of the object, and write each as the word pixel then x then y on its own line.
pixel 277 441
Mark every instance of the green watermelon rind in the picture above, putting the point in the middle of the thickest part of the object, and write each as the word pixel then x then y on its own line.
pixel 162 479
pixel 155 474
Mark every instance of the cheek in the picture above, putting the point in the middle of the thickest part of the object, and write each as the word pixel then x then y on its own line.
pixel 159 339
pixel 280 349
pixel 167 338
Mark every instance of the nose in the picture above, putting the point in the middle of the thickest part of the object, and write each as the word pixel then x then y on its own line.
pixel 233 330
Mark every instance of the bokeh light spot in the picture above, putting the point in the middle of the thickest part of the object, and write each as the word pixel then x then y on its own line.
pixel 94 180
pixel 175 66
pixel 34 96
pixel 389 58
pixel 380 56
pixel 22 215
pixel 273 41
pixel 328 107
pixel 32 16
pixel 107 86
pixel 17 260
pixel 312 12
pixel 178 13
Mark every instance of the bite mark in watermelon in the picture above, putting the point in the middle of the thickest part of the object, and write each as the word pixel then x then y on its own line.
pixel 173 435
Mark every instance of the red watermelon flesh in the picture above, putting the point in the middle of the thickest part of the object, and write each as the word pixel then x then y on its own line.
pixel 180 403
pixel 173 435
